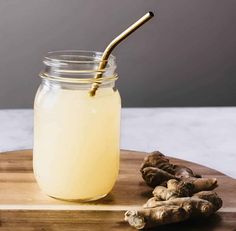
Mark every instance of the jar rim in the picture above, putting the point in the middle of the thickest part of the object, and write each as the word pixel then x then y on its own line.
pixel 67 65
pixel 62 56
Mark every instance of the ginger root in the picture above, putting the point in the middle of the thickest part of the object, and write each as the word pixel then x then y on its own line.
pixel 157 170
pixel 157 213
pixel 158 160
pixel 148 218
pixel 166 207
pixel 194 204
pixel 179 194
pixel 202 184
pixel 174 189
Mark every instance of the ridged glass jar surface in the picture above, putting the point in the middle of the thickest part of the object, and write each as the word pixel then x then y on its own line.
pixel 76 135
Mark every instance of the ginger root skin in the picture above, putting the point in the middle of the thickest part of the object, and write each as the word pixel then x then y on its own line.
pixel 158 160
pixel 149 218
pixel 195 206
pixel 174 189
pixel 179 194
pixel 187 188
pixel 162 193
pixel 178 190
pixel 203 184
pixel 210 196
pixel 155 176
pixel 157 212
pixel 157 170
pixel 182 188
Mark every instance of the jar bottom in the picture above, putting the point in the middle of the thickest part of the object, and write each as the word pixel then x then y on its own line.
pixel 81 200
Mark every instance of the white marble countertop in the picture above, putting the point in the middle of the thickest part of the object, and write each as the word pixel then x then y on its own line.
pixel 203 135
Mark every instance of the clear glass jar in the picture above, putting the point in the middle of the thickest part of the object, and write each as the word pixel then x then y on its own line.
pixel 76 136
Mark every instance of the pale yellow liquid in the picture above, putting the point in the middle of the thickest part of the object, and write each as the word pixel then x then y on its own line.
pixel 76 142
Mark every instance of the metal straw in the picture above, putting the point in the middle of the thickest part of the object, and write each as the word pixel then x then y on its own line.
pixel 114 43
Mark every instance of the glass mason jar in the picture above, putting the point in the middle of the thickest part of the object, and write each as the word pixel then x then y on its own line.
pixel 76 136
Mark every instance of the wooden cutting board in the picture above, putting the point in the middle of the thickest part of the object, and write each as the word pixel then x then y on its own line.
pixel 24 207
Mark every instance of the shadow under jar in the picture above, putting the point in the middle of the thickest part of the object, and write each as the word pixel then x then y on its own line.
pixel 76 136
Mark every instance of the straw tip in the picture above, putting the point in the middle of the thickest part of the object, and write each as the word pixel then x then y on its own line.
pixel 151 13
pixel 92 93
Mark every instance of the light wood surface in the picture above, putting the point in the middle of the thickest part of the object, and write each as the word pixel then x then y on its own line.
pixel 24 207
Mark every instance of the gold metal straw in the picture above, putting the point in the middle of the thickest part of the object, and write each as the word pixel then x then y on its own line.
pixel 114 43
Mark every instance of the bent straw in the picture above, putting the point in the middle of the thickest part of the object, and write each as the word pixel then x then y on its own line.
pixel 114 43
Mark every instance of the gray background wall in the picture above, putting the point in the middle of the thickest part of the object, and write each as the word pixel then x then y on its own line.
pixel 185 57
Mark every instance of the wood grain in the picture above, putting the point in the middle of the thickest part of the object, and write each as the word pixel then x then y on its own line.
pixel 24 207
